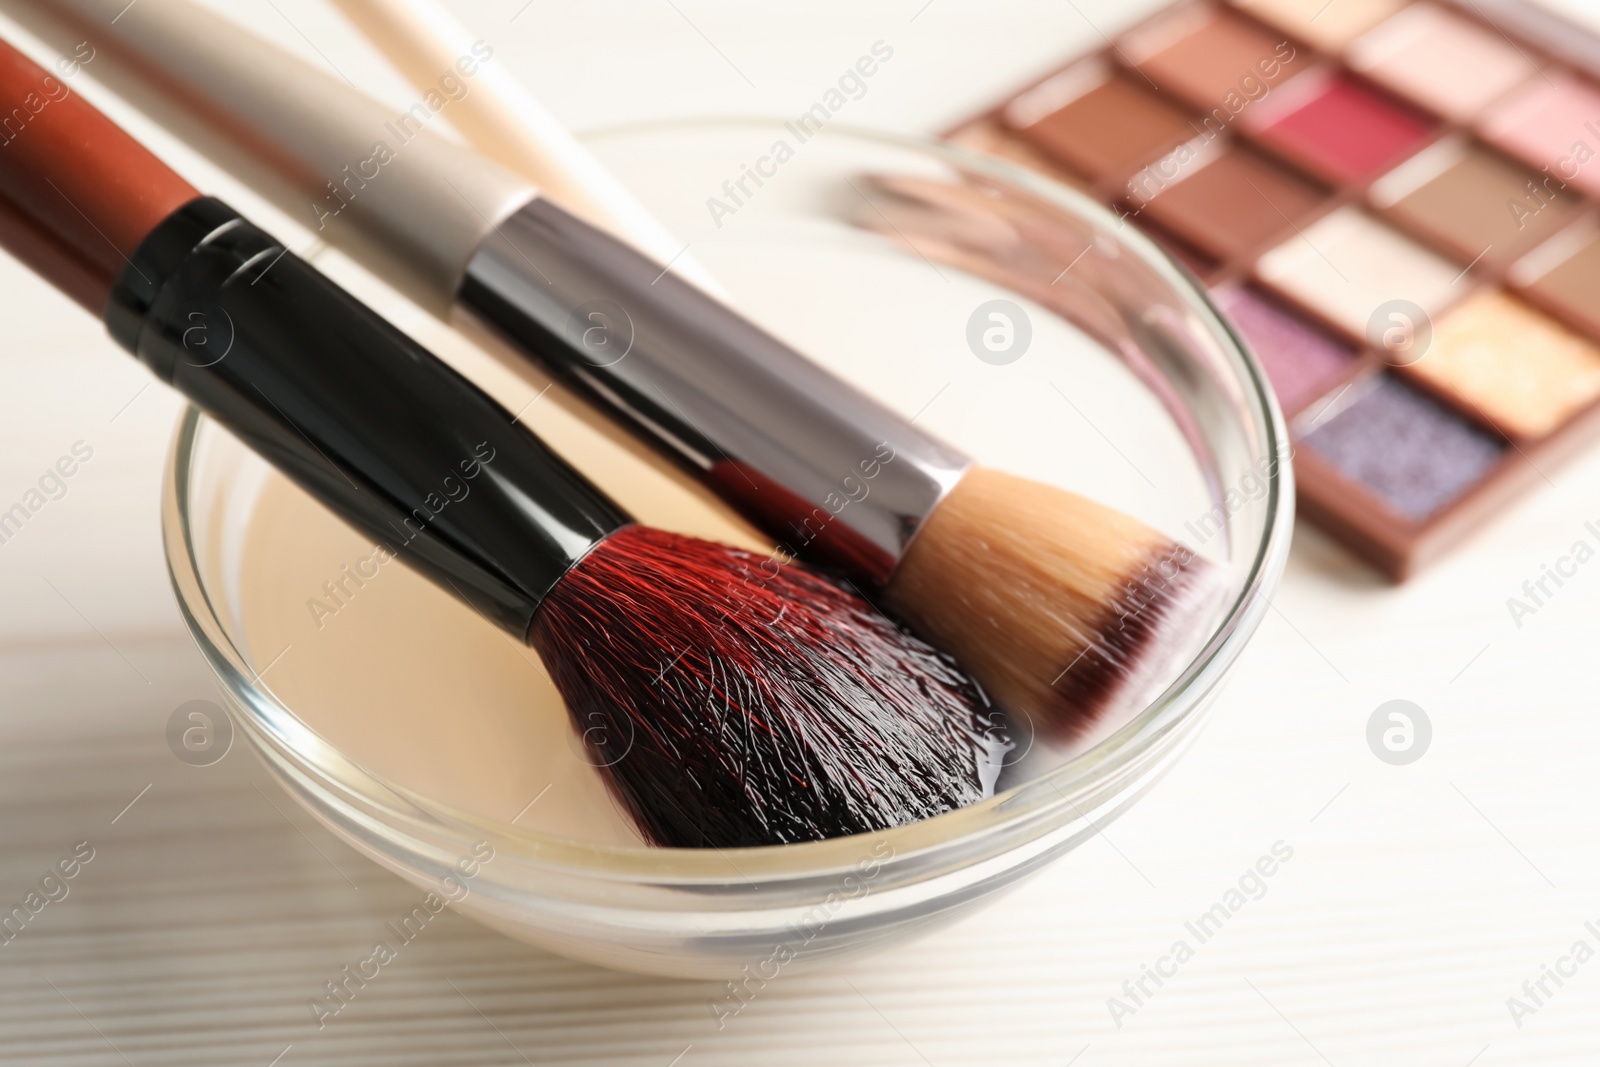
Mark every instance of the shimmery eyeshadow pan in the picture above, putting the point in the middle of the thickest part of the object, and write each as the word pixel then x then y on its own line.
pixel 1552 122
pixel 1475 203
pixel 1105 124
pixel 1567 283
pixel 1233 203
pixel 1522 371
pixel 1408 450
pixel 1212 58
pixel 1448 64
pixel 1338 127
pixel 1347 265
pixel 1300 359
pixel 1325 25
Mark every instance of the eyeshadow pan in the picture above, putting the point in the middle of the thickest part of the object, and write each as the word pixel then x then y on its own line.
pixel 1324 25
pixel 1444 62
pixel 1526 373
pixel 1200 264
pixel 1212 58
pixel 1475 203
pixel 1565 276
pixel 1229 203
pixel 1346 265
pixel 988 138
pixel 1098 122
pixel 1337 127
pixel 1300 359
pixel 1551 122
pixel 1413 453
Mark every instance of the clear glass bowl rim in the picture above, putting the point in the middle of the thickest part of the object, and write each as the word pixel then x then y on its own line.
pixel 1034 808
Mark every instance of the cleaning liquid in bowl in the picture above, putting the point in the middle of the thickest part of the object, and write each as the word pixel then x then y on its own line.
pixel 409 682
pixel 423 732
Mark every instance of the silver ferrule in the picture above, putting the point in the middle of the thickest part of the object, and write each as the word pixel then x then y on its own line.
pixel 832 475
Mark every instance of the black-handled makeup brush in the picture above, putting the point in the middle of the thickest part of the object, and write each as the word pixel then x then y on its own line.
pixel 1060 606
pixel 758 705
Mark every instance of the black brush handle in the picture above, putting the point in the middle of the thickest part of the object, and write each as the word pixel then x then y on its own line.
pixel 373 425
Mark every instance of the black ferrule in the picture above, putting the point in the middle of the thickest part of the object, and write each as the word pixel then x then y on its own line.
pixel 380 430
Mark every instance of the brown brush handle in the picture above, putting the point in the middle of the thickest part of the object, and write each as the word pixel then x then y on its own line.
pixel 78 193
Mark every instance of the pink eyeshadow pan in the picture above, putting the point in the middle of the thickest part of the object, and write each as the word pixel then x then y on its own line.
pixel 1447 63
pixel 1553 124
pixel 1340 129
pixel 1300 360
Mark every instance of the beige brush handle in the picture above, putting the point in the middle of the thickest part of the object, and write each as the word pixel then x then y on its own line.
pixel 400 196
pixel 504 122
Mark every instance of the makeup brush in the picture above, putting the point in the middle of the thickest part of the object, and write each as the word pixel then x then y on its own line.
pixel 1061 607
pixel 497 115
pixel 503 121
pixel 728 703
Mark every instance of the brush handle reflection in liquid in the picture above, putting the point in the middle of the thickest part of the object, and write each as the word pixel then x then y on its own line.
pixel 1025 246
pixel 754 712
pixel 1059 605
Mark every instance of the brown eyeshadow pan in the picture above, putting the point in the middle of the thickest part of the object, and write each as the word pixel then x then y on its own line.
pixel 1200 264
pixel 1112 128
pixel 1212 57
pixel 1570 287
pixel 1475 202
pixel 1231 204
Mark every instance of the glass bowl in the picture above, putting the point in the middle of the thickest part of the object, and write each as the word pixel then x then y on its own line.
pixel 1107 371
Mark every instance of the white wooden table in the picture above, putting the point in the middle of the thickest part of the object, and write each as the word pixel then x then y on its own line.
pixel 1417 900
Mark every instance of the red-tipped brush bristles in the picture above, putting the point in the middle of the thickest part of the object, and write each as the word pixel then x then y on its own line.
pixel 735 704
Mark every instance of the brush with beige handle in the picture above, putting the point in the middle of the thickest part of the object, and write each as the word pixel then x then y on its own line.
pixel 503 121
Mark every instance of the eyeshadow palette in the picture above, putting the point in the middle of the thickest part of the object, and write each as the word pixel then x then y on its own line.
pixel 1396 203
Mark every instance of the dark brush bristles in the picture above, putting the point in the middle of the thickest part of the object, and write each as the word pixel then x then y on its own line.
pixel 1068 610
pixel 1129 645
pixel 733 701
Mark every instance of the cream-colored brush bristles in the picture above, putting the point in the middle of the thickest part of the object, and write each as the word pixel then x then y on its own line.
pixel 1063 608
